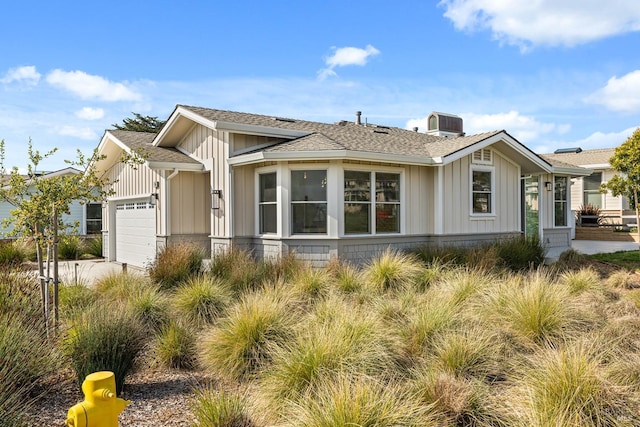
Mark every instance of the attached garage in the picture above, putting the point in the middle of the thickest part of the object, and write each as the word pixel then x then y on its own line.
pixel 135 233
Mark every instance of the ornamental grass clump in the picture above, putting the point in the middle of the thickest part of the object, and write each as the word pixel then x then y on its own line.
pixel 623 279
pixel 392 271
pixel 175 346
pixel 25 358
pixel 348 400
pixel 583 280
pixel 175 264
pixel 521 253
pixel 238 270
pixel 345 340
pixel 240 343
pixel 12 254
pixel 311 284
pixel 455 401
pixel 75 299
pixel 431 318
pixel 105 338
pixel 219 408
pixel 150 305
pixel 201 300
pixel 568 386
pixel 534 309
pixel 459 285
pixel 119 286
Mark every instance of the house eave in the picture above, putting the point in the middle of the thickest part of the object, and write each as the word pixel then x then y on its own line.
pixel 262 156
pixel 559 170
pixel 175 165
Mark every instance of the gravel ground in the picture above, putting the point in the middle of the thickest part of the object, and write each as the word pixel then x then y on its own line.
pixel 158 398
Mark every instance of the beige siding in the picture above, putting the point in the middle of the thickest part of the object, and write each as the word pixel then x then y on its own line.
pixel 419 199
pixel 457 217
pixel 212 147
pixel 190 204
pixel 244 201
pixel 577 197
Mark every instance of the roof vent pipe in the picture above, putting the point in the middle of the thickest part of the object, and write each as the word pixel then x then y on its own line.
pixel 415 129
pixel 358 114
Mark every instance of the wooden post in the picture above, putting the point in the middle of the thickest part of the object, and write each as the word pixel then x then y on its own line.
pixel 55 267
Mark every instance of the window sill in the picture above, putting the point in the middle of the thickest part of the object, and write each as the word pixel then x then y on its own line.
pixel 482 217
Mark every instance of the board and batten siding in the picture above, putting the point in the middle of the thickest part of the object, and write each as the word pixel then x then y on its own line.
pixel 190 204
pixel 609 202
pixel 244 209
pixel 456 213
pixel 419 199
pixel 211 147
pixel 131 182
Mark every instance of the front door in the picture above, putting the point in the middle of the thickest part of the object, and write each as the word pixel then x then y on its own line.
pixel 531 206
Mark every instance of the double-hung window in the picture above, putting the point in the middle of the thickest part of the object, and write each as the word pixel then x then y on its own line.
pixel 364 189
pixel 268 203
pixel 560 201
pixel 309 202
pixel 481 191
pixel 591 189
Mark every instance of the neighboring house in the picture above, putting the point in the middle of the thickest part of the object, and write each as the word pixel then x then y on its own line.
pixel 587 189
pixel 276 185
pixel 88 217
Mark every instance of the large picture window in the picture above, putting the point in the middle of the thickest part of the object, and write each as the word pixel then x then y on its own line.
pixel 361 191
pixel 482 191
pixel 560 201
pixel 309 202
pixel 268 203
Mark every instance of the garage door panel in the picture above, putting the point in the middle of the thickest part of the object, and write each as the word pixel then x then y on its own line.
pixel 135 233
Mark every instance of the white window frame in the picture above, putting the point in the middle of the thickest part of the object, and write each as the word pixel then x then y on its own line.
pixel 372 212
pixel 492 211
pixel 291 202
pixel 264 171
pixel 567 194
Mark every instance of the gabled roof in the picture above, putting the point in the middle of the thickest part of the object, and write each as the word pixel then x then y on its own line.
pixel 141 143
pixel 597 158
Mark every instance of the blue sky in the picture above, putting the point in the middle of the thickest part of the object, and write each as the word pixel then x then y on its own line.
pixel 553 73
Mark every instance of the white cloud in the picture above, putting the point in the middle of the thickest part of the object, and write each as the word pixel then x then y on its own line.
pixel 88 86
pixel 345 56
pixel 81 133
pixel 525 129
pixel 88 113
pixel 620 94
pixel 26 74
pixel 545 22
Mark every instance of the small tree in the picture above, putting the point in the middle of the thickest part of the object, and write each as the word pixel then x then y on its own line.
pixel 40 200
pixel 626 161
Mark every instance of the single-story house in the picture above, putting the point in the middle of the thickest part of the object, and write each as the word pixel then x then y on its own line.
pixel 87 216
pixel 349 189
pixel 586 189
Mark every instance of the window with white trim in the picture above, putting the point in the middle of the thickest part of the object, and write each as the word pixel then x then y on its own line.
pixel 591 189
pixel 560 201
pixel 267 203
pixel 482 191
pixel 361 190
pixel 309 202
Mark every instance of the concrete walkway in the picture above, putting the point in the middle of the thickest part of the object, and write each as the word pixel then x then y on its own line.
pixel 89 271
pixel 590 247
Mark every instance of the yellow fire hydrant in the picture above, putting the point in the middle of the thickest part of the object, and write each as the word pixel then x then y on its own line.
pixel 101 407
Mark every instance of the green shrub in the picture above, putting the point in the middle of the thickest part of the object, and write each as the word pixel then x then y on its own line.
pixel 175 264
pixel 239 344
pixel 218 408
pixel 201 299
pixel 93 246
pixel 11 254
pixel 70 247
pixel 106 338
pixel 175 346
pixel 522 253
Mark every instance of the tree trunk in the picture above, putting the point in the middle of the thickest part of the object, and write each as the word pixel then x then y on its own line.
pixel 41 278
pixel 55 268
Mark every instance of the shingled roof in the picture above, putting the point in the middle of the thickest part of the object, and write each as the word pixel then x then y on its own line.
pixel 345 135
pixel 142 143
pixel 599 156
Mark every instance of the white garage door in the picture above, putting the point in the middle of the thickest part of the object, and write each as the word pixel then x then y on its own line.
pixel 135 233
